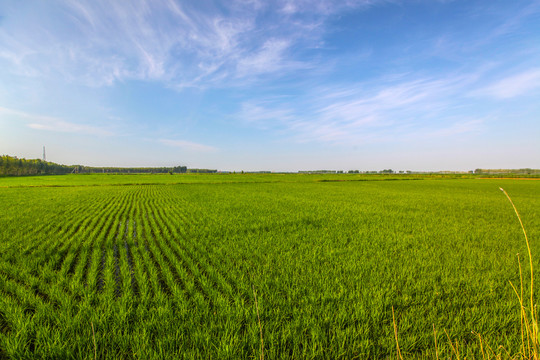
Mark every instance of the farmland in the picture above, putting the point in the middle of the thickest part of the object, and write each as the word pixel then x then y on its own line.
pixel 183 266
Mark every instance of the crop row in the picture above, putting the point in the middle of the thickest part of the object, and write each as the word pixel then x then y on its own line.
pixel 134 244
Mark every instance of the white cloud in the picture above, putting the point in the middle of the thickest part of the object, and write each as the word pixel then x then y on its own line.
pixel 457 128
pixel 269 58
pixel 514 21
pixel 323 7
pixel 364 112
pixel 41 122
pixel 188 145
pixel 179 43
pixel 64 126
pixel 513 86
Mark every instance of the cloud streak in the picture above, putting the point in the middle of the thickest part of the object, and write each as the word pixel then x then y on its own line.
pixel 49 123
pixel 513 86
pixel 363 113
pixel 188 145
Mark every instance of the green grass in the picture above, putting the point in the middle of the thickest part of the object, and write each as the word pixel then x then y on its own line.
pixel 175 179
pixel 168 267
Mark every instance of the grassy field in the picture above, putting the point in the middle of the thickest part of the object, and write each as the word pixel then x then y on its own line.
pixel 166 179
pixel 183 266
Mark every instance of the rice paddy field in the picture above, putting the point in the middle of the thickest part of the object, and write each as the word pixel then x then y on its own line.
pixel 243 266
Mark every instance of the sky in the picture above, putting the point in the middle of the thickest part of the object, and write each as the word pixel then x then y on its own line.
pixel 283 85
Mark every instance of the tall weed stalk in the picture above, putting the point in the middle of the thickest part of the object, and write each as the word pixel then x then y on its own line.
pixel 530 344
pixel 528 316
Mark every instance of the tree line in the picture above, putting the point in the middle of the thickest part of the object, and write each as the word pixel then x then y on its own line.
pixel 13 166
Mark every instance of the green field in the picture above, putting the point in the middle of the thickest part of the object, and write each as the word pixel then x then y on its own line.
pixel 168 266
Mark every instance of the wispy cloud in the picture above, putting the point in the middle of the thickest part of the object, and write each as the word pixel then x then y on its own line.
pixel 49 123
pixel 270 58
pixel 188 145
pixel 322 7
pixel 265 115
pixel 512 86
pixel 456 127
pixel 363 112
pixel 180 43
pixel 515 21
pixel 67 127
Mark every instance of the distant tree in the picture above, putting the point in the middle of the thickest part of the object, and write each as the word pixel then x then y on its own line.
pixel 12 166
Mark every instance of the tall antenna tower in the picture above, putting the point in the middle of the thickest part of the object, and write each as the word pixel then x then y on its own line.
pixel 44 157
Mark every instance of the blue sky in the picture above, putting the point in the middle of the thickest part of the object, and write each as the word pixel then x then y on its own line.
pixel 272 85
